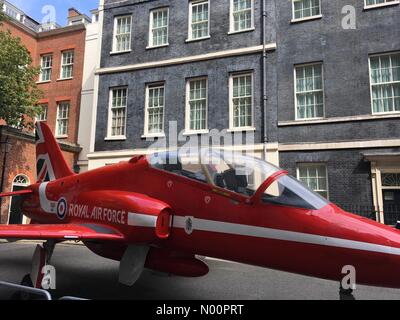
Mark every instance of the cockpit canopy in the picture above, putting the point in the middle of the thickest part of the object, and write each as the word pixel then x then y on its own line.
pixel 238 173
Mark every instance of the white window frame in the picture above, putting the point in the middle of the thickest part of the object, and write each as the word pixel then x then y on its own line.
pixel 67 64
pixel 18 184
pixel 42 116
pixel 45 68
pixel 314 164
pixel 110 106
pixel 232 20
pixel 317 16
pixel 147 134
pixel 114 41
pixel 190 33
pixel 68 103
pixel 295 91
pixel 231 122
pixel 151 44
pixel 371 85
pixel 379 5
pixel 188 131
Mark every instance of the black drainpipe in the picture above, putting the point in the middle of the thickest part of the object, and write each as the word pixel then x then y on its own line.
pixel 264 74
pixel 3 145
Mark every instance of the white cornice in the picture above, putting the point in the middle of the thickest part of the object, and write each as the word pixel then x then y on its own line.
pixel 189 59
pixel 367 117
pixel 362 144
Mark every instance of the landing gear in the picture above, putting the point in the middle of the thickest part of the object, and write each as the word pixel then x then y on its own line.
pixel 346 294
pixel 41 257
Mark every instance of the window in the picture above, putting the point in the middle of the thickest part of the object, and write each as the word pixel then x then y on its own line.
pixel 159 27
pixel 155 102
pixel 303 9
pixel 198 20
pixel 117 116
pixel 309 92
pixel 390 180
pixel 46 66
pixel 43 115
pixel 21 181
pixel 122 34
pixel 241 91
pixel 385 83
pixel 197 104
pixel 287 191
pixel 242 15
pixel 380 2
pixel 67 64
pixel 62 119
pixel 315 177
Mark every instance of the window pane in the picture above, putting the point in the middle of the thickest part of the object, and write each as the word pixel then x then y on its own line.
pixel 122 34
pixel 309 92
pixel 118 111
pixel 314 176
pixel 242 15
pixel 159 30
pixel 242 101
pixel 155 109
pixel 62 118
pixel 198 105
pixel 199 23
pixel 385 81
pixel 306 8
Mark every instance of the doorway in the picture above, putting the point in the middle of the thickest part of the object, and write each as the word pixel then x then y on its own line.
pixel 15 213
pixel 391 206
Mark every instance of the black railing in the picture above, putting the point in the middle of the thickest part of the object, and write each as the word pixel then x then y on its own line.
pixel 391 213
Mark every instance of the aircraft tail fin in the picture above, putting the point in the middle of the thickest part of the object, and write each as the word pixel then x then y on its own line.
pixel 50 162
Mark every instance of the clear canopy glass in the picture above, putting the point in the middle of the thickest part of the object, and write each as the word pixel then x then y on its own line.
pixel 238 173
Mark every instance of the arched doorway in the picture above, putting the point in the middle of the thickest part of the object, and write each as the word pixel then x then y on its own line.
pixel 15 214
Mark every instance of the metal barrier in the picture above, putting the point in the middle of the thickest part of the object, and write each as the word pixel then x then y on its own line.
pixel 35 291
pixel 391 213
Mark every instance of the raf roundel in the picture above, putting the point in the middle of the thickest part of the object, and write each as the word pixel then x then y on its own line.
pixel 62 208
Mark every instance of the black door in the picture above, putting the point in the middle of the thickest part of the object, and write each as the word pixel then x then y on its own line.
pixel 15 209
pixel 391 206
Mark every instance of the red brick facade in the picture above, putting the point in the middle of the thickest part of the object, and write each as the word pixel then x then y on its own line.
pixel 21 157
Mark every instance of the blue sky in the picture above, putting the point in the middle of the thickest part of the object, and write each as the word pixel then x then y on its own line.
pixel 57 8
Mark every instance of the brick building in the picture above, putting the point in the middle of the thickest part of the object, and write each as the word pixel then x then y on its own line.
pixel 320 94
pixel 59 51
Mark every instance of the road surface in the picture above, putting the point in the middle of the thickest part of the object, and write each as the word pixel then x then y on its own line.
pixel 81 273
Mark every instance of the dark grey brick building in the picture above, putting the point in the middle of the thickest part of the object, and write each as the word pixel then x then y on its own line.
pixel 317 82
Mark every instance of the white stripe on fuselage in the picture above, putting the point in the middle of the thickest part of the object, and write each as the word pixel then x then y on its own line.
pixel 179 222
pixel 47 205
pixel 284 235
pixel 141 220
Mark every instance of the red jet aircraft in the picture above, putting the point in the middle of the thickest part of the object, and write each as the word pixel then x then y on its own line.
pixel 161 211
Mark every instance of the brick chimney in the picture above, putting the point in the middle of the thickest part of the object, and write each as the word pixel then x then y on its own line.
pixel 72 12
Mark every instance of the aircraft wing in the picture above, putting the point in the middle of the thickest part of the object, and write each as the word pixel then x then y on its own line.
pixel 59 232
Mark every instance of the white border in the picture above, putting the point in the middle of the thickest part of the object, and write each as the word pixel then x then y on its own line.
pixel 231 77
pixel 317 16
pixel 188 131
pixel 231 20
pixel 314 164
pixel 68 102
pixel 146 133
pixel 109 121
pixel 150 42
pixel 196 2
pixel 380 5
pixel 114 43
pixel 295 89
pixel 24 218
pixel 370 83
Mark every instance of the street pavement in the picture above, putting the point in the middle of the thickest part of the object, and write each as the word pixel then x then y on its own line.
pixel 81 273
